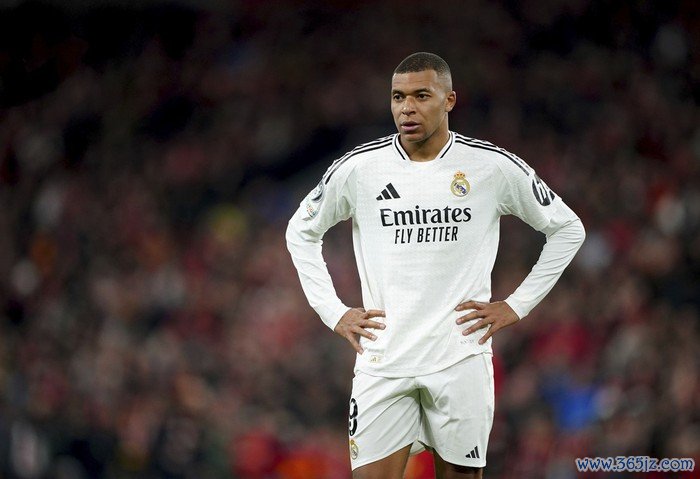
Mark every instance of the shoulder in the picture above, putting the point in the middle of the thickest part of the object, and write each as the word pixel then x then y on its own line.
pixel 359 155
pixel 509 163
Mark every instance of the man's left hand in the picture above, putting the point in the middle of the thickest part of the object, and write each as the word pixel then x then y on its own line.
pixel 497 314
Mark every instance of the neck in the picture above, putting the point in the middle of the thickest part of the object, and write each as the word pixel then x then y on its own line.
pixel 427 149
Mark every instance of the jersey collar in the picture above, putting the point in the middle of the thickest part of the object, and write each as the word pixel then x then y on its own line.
pixel 404 156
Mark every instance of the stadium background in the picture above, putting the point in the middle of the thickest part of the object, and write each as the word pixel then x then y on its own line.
pixel 151 323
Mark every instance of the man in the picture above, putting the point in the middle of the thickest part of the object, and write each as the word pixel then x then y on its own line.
pixel 425 206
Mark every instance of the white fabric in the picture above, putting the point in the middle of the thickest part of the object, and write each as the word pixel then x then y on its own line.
pixel 450 411
pixel 422 253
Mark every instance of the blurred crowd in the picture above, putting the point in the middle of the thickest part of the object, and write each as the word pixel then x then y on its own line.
pixel 151 153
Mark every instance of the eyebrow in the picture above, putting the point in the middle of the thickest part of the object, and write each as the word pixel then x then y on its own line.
pixel 415 92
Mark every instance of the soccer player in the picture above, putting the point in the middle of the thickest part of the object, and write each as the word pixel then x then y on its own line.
pixel 425 206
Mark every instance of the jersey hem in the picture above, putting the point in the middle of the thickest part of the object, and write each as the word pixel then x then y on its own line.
pixel 413 372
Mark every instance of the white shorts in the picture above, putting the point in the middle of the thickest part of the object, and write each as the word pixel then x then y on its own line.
pixel 450 411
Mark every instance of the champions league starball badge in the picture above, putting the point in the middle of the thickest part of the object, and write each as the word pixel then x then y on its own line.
pixel 460 185
pixel 317 193
pixel 314 198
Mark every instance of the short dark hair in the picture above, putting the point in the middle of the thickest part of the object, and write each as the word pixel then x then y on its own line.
pixel 421 61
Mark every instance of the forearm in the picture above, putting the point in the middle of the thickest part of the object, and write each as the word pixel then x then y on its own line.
pixel 304 246
pixel 564 238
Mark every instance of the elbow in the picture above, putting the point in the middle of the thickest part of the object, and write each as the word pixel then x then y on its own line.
pixel 572 230
pixel 290 233
pixel 580 231
pixel 299 235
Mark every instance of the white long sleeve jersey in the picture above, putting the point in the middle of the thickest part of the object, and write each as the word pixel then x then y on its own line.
pixel 425 238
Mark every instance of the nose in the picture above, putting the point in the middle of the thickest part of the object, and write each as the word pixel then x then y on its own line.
pixel 407 107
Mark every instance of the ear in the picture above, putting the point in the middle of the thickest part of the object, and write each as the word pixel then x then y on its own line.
pixel 450 101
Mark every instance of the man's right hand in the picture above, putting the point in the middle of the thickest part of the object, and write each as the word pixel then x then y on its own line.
pixel 355 321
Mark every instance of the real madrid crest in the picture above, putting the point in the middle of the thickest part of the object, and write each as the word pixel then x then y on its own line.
pixel 354 450
pixel 460 185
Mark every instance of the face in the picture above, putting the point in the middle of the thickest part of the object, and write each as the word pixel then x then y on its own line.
pixel 420 102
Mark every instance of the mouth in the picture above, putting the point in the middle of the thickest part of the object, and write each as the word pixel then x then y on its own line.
pixel 409 126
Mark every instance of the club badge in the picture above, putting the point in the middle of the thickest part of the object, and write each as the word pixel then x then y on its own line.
pixel 460 185
pixel 354 450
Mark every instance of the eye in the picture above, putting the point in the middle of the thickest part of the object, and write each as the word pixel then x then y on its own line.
pixel 423 96
pixel 397 97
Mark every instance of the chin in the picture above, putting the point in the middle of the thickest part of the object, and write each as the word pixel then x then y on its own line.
pixel 412 137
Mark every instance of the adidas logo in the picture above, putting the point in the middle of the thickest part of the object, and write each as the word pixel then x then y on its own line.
pixel 388 193
pixel 474 454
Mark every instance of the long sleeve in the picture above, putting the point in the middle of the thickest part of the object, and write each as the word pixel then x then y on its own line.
pixel 330 202
pixel 565 234
pixel 304 245
pixel 524 194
